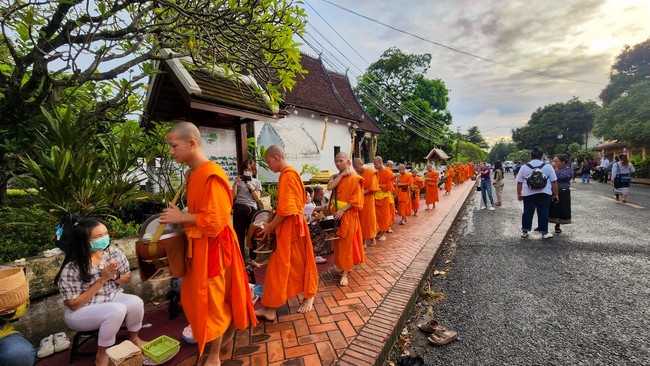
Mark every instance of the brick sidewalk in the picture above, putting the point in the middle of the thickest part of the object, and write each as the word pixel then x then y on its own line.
pixel 357 324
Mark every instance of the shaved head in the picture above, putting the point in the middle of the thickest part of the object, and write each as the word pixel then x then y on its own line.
pixel 357 161
pixel 275 150
pixel 390 163
pixel 186 131
pixel 378 159
pixel 343 155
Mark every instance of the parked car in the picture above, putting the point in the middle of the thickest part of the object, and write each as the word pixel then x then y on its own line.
pixel 508 165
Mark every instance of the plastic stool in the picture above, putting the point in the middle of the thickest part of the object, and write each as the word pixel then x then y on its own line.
pixel 80 338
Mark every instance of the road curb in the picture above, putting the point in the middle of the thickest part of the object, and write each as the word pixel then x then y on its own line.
pixel 401 299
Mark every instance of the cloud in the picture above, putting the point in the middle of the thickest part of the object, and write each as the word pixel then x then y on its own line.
pixel 573 40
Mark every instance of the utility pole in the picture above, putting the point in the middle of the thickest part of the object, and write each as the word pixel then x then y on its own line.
pixel 457 141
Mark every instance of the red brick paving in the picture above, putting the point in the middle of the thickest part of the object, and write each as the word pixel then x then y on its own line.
pixel 357 324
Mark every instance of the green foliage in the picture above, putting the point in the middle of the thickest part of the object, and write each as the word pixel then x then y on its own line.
pixel 519 156
pixel 138 210
pixel 411 109
pixel 583 154
pixel 272 191
pixel 309 169
pixel 104 50
pixel 257 153
pixel 501 150
pixel 474 136
pixel 467 152
pixel 24 235
pixel 121 229
pixel 630 67
pixel 557 124
pixel 641 167
pixel 80 170
pixel 627 118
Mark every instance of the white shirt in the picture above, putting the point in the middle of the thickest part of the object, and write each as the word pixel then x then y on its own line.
pixel 604 163
pixel 525 172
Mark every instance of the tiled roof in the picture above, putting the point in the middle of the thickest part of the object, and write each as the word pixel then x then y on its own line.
pixel 229 92
pixel 328 93
pixel 437 153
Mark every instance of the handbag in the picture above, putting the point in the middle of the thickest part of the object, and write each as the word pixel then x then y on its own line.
pixel 622 180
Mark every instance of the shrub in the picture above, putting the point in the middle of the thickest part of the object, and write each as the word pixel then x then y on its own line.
pixel 642 167
pixel 138 210
pixel 25 235
pixel 120 229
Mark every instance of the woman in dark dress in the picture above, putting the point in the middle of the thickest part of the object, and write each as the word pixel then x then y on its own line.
pixel 560 212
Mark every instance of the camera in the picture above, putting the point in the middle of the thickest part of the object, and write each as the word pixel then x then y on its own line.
pixel 246 178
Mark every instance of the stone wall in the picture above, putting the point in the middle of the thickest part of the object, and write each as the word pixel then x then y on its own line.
pixel 46 314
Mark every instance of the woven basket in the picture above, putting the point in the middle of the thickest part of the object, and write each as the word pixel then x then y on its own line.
pixel 14 288
pixel 124 354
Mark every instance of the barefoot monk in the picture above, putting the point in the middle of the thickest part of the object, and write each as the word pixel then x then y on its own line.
pixel 215 293
pixel 367 215
pixel 386 180
pixel 292 268
pixel 347 196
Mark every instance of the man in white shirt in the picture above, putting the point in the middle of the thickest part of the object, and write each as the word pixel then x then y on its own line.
pixel 536 199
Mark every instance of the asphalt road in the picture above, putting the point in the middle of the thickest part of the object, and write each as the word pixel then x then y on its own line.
pixel 580 298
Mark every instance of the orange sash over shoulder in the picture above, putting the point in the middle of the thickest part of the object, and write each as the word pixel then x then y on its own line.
pixel 212 301
pixel 348 249
pixel 291 269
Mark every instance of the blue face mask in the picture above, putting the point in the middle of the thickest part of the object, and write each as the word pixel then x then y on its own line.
pixel 100 244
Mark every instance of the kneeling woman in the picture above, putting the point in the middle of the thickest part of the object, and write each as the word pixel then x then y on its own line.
pixel 90 284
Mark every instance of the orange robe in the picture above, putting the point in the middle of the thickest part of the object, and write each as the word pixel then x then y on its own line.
pixel 386 179
pixel 432 187
pixel 450 179
pixel 348 249
pixel 404 195
pixel 215 290
pixel 367 215
pixel 291 269
pixel 418 184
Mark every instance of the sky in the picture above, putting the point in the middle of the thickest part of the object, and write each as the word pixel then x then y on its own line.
pixel 575 41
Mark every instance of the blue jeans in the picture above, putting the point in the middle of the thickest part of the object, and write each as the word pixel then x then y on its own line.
pixel 586 177
pixel 540 202
pixel 15 350
pixel 486 190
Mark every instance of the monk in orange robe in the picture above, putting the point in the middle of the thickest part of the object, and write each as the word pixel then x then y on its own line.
pixel 431 183
pixel 215 294
pixel 404 183
pixel 292 268
pixel 450 179
pixel 367 215
pixel 347 198
pixel 418 184
pixel 386 180
pixel 390 165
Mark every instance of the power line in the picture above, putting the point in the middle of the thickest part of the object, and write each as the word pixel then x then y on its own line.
pixel 539 73
pixel 380 90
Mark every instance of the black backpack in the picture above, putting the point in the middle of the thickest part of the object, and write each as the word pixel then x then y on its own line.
pixel 537 179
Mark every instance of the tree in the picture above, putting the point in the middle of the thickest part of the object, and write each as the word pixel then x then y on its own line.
pixel 474 136
pixel 630 67
pixel 467 152
pixel 411 109
pixel 557 124
pixel 627 118
pixel 57 45
pixel 501 150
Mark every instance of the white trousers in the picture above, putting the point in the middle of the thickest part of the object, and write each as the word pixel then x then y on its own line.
pixel 108 317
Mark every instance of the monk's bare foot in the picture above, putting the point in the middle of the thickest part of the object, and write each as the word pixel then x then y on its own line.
pixel 382 238
pixel 266 313
pixel 403 222
pixel 390 231
pixel 427 209
pixel 306 305
pixel 344 279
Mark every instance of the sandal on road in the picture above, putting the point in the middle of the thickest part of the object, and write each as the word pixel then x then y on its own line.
pixel 442 337
pixel 431 326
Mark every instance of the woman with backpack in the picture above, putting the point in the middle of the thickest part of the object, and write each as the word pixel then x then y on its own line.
pixel 498 181
pixel 622 177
